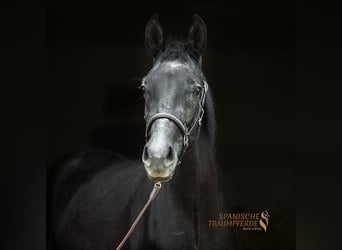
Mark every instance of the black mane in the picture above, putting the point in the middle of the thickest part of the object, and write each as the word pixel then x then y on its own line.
pixel 209 125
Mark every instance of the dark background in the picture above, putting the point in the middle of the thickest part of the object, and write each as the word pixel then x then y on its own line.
pixel 49 107
pixel 25 89
pixel 95 56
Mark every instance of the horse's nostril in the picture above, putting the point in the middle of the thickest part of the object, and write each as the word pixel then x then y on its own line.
pixel 170 158
pixel 145 154
pixel 170 154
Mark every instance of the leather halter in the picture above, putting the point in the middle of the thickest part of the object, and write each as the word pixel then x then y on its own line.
pixel 186 131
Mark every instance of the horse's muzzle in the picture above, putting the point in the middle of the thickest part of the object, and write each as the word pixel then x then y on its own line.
pixel 159 165
pixel 160 179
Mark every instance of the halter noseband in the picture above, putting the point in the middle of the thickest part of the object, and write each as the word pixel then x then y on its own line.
pixel 182 126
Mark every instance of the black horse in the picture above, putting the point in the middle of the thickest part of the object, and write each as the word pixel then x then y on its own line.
pixel 97 194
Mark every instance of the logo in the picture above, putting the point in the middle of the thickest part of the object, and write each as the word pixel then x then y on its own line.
pixel 245 221
pixel 263 222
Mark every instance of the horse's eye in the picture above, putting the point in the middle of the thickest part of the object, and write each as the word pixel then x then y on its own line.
pixel 142 87
pixel 198 89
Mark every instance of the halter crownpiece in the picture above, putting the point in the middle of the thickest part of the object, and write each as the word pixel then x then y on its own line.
pixel 181 125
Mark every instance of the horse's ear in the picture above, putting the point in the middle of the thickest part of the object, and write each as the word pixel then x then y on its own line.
pixel 153 35
pixel 198 35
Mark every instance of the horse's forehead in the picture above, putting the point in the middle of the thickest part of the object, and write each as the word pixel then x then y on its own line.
pixel 172 67
pixel 175 65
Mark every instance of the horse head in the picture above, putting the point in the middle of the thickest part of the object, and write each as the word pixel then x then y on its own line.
pixel 174 91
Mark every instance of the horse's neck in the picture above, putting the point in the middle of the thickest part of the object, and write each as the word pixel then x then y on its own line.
pixel 196 179
pixel 189 200
pixel 194 190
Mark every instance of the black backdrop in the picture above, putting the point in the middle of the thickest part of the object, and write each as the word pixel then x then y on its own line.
pixel 95 56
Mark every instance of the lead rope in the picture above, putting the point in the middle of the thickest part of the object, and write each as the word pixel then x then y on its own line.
pixel 154 192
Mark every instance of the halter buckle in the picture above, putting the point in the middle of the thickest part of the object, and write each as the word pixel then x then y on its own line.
pixel 200 116
pixel 186 140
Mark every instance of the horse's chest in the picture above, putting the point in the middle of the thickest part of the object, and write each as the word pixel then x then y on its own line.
pixel 166 231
